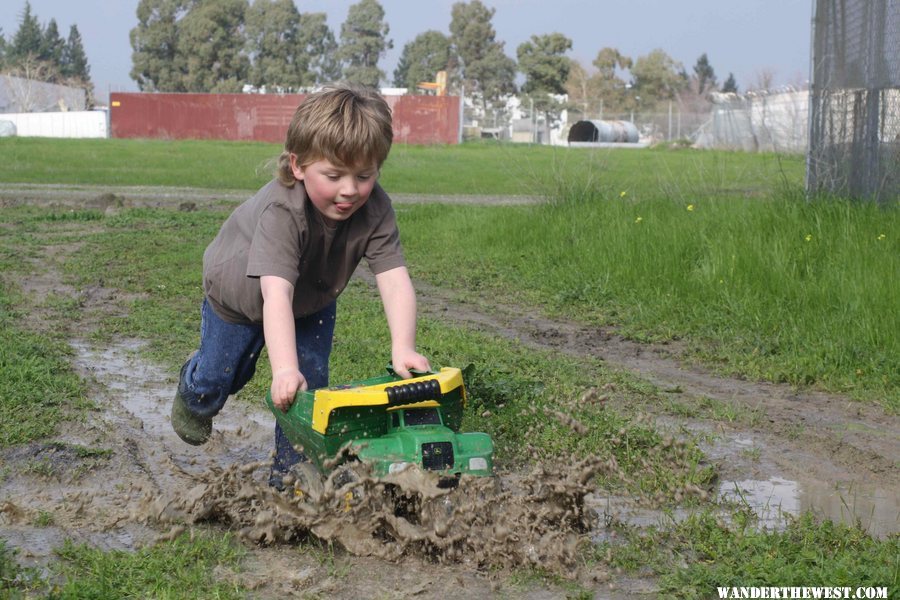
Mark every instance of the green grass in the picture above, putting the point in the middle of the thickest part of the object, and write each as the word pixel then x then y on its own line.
pixel 735 278
pixel 182 568
pixel 14 578
pixel 190 566
pixel 466 169
pixel 37 385
pixel 702 553
pixel 154 256
pixel 777 289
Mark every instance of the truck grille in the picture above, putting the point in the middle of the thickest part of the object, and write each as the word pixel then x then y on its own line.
pixel 437 456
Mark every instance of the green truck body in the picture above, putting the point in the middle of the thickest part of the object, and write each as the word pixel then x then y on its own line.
pixel 388 423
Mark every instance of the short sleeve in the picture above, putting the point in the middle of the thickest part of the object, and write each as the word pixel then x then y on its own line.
pixel 275 247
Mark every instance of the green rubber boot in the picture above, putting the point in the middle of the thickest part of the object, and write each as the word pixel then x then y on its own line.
pixel 190 428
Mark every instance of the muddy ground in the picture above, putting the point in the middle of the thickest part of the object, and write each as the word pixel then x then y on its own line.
pixel 788 450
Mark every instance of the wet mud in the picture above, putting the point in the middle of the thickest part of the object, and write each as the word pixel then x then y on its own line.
pixel 479 523
pixel 794 450
pixel 121 479
pixel 141 485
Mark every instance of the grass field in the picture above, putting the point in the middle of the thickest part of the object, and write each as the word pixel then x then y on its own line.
pixel 464 169
pixel 719 250
pixel 775 289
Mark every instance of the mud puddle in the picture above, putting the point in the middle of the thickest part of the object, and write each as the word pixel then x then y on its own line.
pixel 539 521
pixel 149 486
pixel 555 506
pixel 80 486
pixel 153 487
pixel 752 474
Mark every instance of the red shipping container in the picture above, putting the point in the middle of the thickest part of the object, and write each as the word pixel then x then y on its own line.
pixel 264 117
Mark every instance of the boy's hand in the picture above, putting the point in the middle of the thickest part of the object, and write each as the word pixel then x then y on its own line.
pixel 285 385
pixel 404 360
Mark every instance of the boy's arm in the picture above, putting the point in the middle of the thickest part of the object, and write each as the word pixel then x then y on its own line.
pixel 278 327
pixel 399 299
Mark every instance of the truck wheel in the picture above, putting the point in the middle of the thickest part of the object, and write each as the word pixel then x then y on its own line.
pixel 342 476
pixel 307 482
pixel 348 479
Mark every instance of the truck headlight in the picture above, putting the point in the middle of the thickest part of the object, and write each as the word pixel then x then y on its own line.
pixel 478 464
pixel 397 467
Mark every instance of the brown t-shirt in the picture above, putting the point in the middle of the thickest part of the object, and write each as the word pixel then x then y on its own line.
pixel 279 232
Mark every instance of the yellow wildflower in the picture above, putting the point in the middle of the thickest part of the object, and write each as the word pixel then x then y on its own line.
pixel 690 207
pixel 639 219
pixel 622 194
pixel 881 237
pixel 808 237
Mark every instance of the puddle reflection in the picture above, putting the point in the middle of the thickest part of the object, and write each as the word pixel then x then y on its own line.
pixel 874 509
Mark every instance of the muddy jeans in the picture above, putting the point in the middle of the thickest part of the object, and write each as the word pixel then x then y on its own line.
pixel 226 361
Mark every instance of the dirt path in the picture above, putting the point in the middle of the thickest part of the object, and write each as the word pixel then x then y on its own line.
pixel 787 448
pixel 102 197
pixel 797 449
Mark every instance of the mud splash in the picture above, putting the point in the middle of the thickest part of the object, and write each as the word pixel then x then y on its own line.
pixel 540 521
pixel 538 518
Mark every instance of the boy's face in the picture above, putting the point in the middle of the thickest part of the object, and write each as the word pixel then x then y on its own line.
pixel 336 191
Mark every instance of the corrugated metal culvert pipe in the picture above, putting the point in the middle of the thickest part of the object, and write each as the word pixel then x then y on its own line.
pixel 623 132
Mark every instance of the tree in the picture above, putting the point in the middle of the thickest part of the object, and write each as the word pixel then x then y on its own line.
pixel 482 65
pixel 3 50
pixel 28 38
pixel 730 85
pixel 610 88
pixel 578 88
pixel 320 47
pixel 363 42
pixel 211 46
pixel 272 32
pixel 74 60
pixel 608 61
pixel 155 60
pixel 422 58
pixel 544 63
pixel 763 80
pixel 546 68
pixel 706 76
pixel 656 78
pixel 52 45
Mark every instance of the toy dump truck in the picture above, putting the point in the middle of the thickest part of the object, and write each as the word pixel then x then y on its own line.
pixel 388 423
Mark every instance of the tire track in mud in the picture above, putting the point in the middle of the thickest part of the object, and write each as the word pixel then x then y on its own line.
pixel 868 441
pixel 149 481
pixel 833 447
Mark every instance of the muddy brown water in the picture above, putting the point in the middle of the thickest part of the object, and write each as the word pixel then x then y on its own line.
pixel 154 487
pixel 807 451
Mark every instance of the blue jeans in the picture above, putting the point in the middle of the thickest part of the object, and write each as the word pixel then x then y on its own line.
pixel 226 361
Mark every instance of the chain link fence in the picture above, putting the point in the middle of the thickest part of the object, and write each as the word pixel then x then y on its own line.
pixel 668 123
pixel 758 121
pixel 855 103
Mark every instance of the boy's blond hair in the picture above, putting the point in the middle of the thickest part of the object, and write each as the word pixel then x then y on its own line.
pixel 348 125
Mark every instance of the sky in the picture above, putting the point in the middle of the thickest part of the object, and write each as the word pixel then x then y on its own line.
pixel 748 38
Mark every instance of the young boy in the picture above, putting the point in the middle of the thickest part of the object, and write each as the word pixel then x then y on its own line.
pixel 273 272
